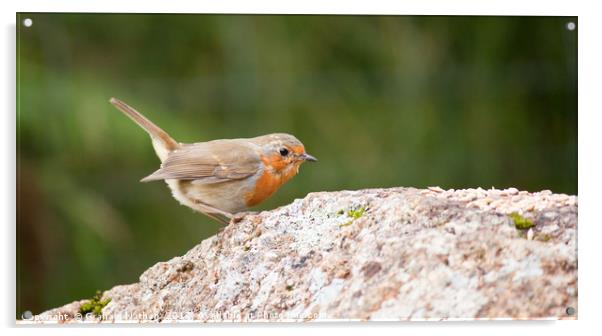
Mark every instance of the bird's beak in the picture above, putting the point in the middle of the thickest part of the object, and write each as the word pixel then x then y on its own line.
pixel 307 157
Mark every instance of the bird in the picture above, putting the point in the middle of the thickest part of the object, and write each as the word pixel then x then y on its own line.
pixel 222 178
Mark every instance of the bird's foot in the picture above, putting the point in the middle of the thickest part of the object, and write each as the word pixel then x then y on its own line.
pixel 237 217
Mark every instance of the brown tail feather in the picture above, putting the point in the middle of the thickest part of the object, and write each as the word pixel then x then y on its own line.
pixel 156 133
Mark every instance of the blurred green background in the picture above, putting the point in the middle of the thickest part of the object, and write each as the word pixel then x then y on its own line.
pixel 382 101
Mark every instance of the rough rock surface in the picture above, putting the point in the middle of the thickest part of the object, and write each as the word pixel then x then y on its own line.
pixel 377 254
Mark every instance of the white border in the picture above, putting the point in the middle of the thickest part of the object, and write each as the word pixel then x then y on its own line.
pixel 432 7
pixel 590 108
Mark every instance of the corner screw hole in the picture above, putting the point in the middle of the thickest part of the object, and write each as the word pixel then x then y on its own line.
pixel 571 26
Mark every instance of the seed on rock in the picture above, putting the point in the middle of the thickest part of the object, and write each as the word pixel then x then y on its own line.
pixel 530 234
pixel 436 189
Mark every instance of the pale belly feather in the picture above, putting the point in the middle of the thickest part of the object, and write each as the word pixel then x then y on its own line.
pixel 227 196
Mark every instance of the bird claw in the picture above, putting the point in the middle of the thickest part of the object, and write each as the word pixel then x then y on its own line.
pixel 237 217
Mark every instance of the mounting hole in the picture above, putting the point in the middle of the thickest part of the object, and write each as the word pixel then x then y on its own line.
pixel 571 25
pixel 27 315
pixel 27 22
pixel 570 311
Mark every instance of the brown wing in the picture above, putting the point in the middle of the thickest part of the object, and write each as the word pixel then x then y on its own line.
pixel 210 162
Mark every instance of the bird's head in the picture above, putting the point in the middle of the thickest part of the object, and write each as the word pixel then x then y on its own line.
pixel 283 153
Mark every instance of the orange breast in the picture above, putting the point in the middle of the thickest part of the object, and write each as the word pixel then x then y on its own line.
pixel 275 174
pixel 265 186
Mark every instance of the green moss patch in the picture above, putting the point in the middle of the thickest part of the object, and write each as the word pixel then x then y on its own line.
pixel 520 222
pixel 94 305
pixel 353 214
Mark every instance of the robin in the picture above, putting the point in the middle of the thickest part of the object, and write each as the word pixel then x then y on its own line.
pixel 222 177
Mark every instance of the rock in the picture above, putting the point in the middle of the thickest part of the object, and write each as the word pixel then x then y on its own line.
pixel 377 254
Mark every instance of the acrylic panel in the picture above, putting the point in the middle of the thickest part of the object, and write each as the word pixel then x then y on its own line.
pixel 299 167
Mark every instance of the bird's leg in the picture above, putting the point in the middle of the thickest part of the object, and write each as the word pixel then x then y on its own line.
pixel 212 211
pixel 217 218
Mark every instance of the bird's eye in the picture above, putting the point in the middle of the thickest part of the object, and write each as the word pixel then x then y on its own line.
pixel 283 151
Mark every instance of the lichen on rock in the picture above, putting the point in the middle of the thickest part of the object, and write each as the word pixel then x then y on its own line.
pixel 408 254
